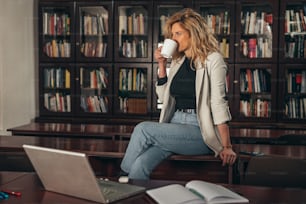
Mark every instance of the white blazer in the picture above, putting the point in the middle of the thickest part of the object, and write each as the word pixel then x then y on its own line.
pixel 211 104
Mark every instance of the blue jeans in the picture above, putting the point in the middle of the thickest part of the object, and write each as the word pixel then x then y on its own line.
pixel 152 142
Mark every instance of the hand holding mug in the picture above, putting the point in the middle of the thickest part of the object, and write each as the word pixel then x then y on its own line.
pixel 169 48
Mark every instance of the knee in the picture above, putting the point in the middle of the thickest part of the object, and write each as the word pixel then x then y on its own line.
pixel 142 125
pixel 141 128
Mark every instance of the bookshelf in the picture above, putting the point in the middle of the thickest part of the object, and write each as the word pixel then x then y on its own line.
pixel 257 35
pixel 256 61
pixel 133 38
pixel 220 17
pixel 96 61
pixel 256 85
pixel 56 51
pixel 94 32
pixel 292 61
pixel 133 93
pixel 94 88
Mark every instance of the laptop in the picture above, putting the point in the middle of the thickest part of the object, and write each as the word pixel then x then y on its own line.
pixel 70 173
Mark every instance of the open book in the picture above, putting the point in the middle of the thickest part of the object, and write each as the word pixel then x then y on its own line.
pixel 195 192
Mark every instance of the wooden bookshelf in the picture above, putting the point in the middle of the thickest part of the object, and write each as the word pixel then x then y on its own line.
pixel 79 38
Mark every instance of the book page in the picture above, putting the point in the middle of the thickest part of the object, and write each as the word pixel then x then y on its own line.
pixel 174 194
pixel 213 193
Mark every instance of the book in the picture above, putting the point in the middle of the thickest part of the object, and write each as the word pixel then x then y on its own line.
pixel 195 192
pixel 136 105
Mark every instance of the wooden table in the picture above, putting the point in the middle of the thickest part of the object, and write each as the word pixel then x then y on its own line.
pixel 108 131
pixel 32 192
pixel 73 130
pixel 6 177
pixel 268 136
pixel 96 146
pixel 292 151
pixel 105 157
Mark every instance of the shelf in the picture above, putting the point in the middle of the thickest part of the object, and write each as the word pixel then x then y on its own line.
pixel 78 39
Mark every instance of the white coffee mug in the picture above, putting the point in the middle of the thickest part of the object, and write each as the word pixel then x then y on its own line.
pixel 169 47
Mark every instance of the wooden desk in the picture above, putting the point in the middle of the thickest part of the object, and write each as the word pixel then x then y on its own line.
pixel 72 130
pixel 105 157
pixel 277 155
pixel 238 135
pixel 7 176
pixel 296 151
pixel 32 192
pixel 268 136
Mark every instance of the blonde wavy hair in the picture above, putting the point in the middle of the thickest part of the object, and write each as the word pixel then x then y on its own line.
pixel 202 39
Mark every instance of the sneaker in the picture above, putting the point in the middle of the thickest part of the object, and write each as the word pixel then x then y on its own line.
pixel 123 179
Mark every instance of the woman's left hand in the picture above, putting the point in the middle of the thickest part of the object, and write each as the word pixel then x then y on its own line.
pixel 228 156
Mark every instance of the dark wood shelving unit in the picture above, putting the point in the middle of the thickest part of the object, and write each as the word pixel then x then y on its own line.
pixel 110 24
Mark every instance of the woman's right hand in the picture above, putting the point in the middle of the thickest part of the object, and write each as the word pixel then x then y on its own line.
pixel 162 61
pixel 157 54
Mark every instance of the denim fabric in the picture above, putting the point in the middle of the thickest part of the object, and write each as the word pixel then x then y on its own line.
pixel 152 142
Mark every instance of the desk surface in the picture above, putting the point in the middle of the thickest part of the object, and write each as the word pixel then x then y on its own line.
pixel 32 192
pixel 241 135
pixel 14 143
pixel 94 146
pixel 6 177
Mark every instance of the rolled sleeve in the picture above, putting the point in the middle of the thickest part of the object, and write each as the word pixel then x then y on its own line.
pixel 162 81
pixel 219 104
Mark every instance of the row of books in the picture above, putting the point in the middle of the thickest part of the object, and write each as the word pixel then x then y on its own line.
pixel 296 82
pixel 256 47
pixel 94 48
pixel 133 24
pixel 255 81
pixel 255 108
pixel 94 104
pixel 256 22
pixel 133 105
pixel 132 79
pixel 295 20
pixel 219 23
pixel 95 24
pixel 295 108
pixel 57 49
pixel 56 23
pixel 295 47
pixel 134 48
pixel 57 102
pixel 93 78
pixel 57 78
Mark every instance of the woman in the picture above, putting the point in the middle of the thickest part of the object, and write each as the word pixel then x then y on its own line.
pixel 195 111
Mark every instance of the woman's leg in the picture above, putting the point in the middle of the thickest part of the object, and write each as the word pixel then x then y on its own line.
pixel 152 142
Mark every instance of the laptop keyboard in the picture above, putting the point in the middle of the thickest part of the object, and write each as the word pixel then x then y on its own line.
pixel 107 188
pixel 114 191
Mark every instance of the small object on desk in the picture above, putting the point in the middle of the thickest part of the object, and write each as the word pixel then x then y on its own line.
pixel 195 191
pixel 123 179
pixel 14 193
pixel 251 153
pixel 4 195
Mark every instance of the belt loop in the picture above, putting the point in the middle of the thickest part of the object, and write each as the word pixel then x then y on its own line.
pixel 188 110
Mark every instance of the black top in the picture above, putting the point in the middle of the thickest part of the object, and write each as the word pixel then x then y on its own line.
pixel 183 86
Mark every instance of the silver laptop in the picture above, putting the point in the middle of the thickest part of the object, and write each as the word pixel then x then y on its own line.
pixel 70 173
